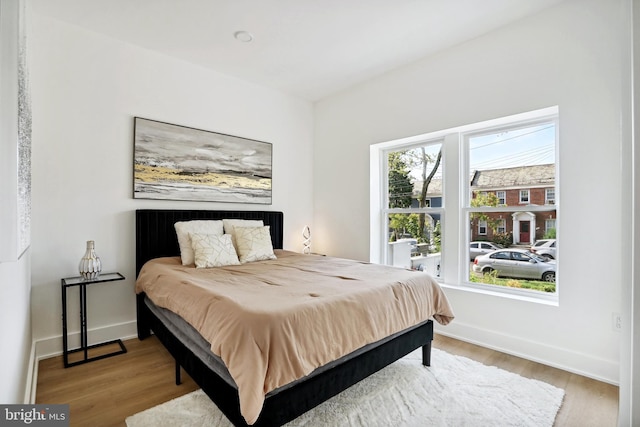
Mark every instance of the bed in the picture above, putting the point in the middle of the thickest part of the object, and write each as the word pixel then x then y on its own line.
pixel 156 240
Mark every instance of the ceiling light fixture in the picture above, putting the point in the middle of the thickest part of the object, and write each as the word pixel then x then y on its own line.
pixel 243 36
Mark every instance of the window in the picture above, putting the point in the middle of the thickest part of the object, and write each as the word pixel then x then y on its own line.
pixel 500 255
pixel 516 161
pixel 550 226
pixel 482 227
pixel 492 179
pixel 550 196
pixel 413 207
pixel 518 256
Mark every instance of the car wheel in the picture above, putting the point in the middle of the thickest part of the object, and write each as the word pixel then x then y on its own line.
pixel 547 256
pixel 549 276
pixel 488 270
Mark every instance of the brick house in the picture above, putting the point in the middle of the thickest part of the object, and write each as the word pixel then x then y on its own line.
pixel 518 186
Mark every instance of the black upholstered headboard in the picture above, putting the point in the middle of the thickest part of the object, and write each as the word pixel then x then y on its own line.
pixel 156 235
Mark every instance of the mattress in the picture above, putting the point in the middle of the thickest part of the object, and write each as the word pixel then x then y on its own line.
pixel 276 321
pixel 201 348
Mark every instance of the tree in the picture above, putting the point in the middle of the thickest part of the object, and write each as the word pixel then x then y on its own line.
pixel 426 180
pixel 550 234
pixel 419 158
pixel 483 199
pixel 400 164
pixel 403 223
pixel 400 186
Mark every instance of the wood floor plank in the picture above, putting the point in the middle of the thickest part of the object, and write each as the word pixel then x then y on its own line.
pixel 107 391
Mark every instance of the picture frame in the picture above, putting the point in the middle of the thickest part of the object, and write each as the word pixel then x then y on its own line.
pixel 174 162
pixel 15 135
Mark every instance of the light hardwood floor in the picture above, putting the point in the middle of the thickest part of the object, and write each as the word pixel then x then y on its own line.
pixel 105 392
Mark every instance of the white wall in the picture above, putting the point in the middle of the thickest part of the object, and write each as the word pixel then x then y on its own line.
pixel 86 90
pixel 15 318
pixel 567 56
pixel 15 286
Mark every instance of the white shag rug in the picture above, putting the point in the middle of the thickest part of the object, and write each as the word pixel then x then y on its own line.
pixel 454 391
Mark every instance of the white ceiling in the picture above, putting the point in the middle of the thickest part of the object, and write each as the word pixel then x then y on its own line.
pixel 308 48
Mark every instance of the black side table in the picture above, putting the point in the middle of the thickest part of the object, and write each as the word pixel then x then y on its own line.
pixel 84 347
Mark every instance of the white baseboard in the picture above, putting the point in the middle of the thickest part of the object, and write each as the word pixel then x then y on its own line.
pixel 52 346
pixel 607 371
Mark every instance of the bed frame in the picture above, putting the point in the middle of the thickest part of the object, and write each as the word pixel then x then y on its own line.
pixel 156 237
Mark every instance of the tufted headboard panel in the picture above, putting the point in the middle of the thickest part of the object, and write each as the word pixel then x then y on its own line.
pixel 156 235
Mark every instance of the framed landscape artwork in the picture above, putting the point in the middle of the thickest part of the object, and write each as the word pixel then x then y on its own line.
pixel 15 130
pixel 174 162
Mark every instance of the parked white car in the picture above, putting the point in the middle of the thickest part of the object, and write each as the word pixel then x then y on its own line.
pixel 517 263
pixel 545 248
pixel 481 248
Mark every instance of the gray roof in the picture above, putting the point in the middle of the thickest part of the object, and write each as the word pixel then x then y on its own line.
pixel 522 176
pixel 434 190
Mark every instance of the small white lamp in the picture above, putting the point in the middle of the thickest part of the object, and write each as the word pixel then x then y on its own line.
pixel 306 242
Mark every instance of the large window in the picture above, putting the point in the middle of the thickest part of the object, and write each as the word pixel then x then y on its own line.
pixel 517 160
pixel 413 208
pixel 492 182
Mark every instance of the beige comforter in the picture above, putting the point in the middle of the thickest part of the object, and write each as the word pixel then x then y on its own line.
pixel 275 321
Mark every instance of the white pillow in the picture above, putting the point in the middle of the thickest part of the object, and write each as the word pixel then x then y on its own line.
pixel 230 224
pixel 212 250
pixel 254 244
pixel 183 228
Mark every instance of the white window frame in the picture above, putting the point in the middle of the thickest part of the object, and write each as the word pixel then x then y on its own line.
pixel 547 222
pixel 382 255
pixel 549 200
pixel 456 197
pixel 502 226
pixel 482 224
pixel 521 199
pixel 502 201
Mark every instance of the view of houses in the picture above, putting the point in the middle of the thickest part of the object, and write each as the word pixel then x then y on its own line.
pixel 415 238
pixel 517 186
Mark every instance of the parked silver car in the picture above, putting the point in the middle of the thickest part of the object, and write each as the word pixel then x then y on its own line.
pixel 481 248
pixel 517 263
pixel 545 248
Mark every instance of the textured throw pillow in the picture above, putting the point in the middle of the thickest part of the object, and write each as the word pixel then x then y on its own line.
pixel 212 250
pixel 230 224
pixel 183 228
pixel 254 244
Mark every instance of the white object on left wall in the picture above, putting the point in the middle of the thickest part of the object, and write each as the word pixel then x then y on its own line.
pixel 15 133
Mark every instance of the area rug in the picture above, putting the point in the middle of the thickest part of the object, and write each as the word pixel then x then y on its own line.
pixel 454 391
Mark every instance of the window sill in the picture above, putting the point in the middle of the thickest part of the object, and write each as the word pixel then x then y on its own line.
pixel 509 293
